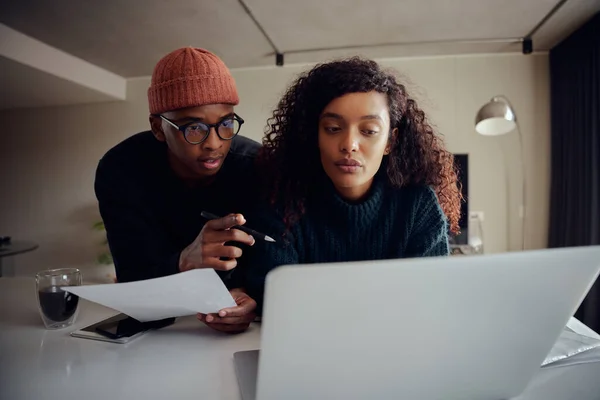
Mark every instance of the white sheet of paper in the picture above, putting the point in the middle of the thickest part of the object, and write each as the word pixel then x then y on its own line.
pixel 578 327
pixel 573 346
pixel 185 293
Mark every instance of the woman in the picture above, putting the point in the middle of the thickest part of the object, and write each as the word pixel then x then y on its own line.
pixel 355 172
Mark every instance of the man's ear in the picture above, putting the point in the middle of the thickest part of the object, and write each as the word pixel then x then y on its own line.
pixel 391 141
pixel 156 126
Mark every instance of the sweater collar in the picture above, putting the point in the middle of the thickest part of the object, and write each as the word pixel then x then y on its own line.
pixel 329 200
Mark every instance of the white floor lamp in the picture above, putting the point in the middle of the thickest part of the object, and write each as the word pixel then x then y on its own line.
pixel 497 117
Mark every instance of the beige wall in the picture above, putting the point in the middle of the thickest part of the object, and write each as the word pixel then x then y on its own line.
pixel 48 156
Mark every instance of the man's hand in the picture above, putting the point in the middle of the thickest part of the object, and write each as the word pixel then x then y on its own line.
pixel 233 319
pixel 209 247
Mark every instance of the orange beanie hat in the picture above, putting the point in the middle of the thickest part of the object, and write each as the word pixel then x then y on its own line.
pixel 190 77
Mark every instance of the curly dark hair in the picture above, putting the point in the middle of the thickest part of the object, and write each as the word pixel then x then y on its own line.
pixel 290 159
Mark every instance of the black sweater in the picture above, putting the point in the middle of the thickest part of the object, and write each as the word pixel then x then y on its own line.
pixel 151 215
pixel 389 223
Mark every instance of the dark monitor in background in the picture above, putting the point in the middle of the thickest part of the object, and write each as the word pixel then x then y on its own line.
pixel 461 162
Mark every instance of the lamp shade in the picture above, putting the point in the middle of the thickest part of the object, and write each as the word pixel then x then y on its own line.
pixel 495 118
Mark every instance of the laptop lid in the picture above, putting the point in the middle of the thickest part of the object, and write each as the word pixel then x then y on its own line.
pixel 475 327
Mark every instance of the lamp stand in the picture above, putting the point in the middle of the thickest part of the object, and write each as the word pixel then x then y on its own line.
pixel 522 206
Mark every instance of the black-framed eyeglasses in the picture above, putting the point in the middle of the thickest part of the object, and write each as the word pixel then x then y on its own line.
pixel 196 132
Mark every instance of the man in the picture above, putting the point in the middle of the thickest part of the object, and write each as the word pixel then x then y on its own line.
pixel 152 187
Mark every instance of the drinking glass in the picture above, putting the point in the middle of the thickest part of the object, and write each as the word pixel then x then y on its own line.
pixel 476 235
pixel 58 308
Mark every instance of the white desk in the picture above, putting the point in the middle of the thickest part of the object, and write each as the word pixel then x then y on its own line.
pixel 184 361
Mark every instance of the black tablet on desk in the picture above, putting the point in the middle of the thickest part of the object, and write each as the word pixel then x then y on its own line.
pixel 119 329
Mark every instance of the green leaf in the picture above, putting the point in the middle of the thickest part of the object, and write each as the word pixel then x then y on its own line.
pixel 98 226
pixel 105 258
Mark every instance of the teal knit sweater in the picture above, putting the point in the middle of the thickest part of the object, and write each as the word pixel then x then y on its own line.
pixel 390 223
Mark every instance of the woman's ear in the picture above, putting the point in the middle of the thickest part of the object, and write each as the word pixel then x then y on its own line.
pixel 156 126
pixel 391 141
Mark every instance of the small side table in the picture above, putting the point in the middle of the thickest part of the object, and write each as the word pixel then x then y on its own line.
pixel 14 248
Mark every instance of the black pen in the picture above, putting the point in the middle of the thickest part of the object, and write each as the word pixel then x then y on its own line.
pixel 242 228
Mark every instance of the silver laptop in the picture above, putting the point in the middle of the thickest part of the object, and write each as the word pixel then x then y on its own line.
pixel 474 327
